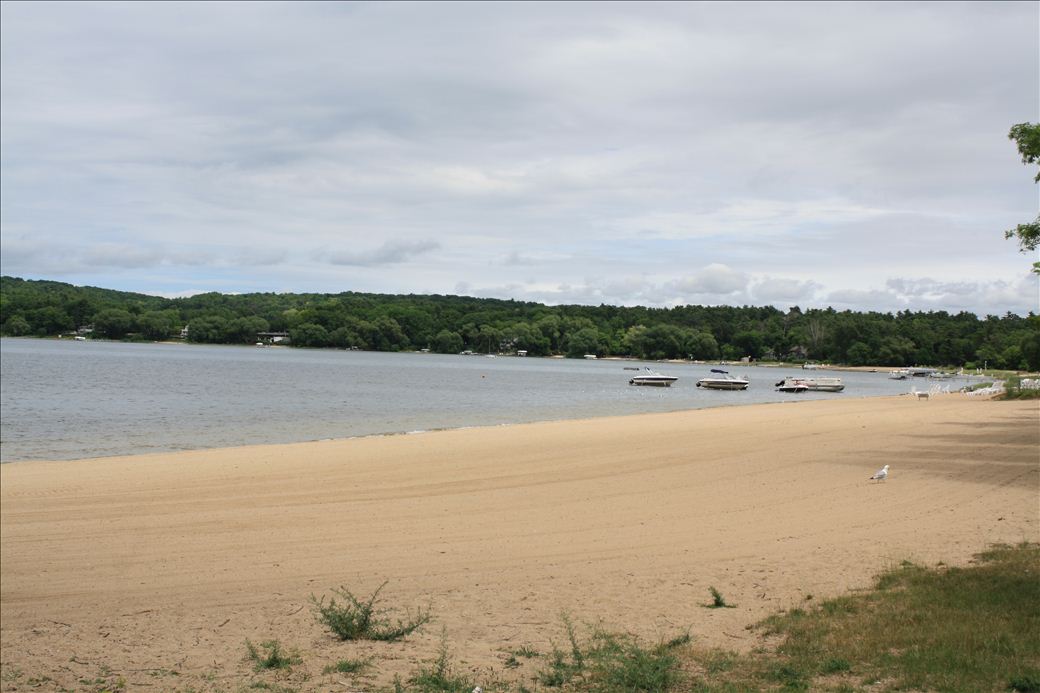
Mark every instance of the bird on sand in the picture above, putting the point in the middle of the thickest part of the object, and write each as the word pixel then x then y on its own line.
pixel 881 474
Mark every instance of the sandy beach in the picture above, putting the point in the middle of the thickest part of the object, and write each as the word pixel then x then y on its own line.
pixel 154 570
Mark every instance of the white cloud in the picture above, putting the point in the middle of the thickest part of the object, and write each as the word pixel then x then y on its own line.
pixel 777 289
pixel 715 279
pixel 619 153
pixel 389 253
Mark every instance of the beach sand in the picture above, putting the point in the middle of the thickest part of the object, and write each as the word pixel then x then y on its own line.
pixel 156 569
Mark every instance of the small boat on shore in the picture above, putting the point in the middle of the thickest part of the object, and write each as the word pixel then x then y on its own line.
pixel 723 380
pixel 652 377
pixel 810 385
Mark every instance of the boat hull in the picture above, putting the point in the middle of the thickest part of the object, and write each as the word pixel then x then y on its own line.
pixel 722 384
pixel 653 382
pixel 811 385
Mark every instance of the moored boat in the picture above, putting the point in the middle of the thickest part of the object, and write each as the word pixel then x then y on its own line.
pixel 810 384
pixel 723 380
pixel 652 377
pixel 791 385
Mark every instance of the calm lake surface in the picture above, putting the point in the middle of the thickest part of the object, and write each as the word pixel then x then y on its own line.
pixel 62 399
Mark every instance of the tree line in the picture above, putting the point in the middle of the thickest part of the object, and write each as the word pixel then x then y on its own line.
pixel 451 324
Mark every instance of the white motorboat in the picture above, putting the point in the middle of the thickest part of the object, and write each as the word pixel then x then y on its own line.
pixel 810 385
pixel 899 374
pixel 652 377
pixel 723 380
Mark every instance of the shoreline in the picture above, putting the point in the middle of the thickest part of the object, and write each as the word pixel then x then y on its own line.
pixel 170 561
pixel 394 434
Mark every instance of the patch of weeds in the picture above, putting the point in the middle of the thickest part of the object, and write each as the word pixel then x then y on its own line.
pixel 622 664
pixel 790 678
pixel 36 681
pixel 835 665
pixel 894 578
pixel 347 666
pixel 718 661
pixel 841 605
pixel 558 671
pixel 718 601
pixel 679 641
pixel 273 687
pixel 948 628
pixel 1025 683
pixel 511 662
pixel 356 619
pixel 271 657
pixel 612 662
pixel 104 682
pixel 526 651
pixel 11 674
pixel 441 677
pixel 162 673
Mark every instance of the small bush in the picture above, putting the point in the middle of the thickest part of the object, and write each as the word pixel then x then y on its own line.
pixel 609 662
pixel 441 677
pixel 272 658
pixel 354 619
pixel 526 651
pixel 718 601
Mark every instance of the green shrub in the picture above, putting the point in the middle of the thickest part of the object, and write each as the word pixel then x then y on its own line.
pixel 354 619
pixel 441 677
pixel 718 601
pixel 611 662
pixel 272 658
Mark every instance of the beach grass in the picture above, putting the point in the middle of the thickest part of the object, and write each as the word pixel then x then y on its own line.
pixel 270 655
pixel 440 676
pixel 606 662
pixel 944 629
pixel 357 619
pixel 718 601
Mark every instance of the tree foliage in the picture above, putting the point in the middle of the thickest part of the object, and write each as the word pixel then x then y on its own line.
pixel 1027 137
pixel 450 324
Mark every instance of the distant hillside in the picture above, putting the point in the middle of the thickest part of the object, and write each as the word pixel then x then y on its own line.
pixel 450 324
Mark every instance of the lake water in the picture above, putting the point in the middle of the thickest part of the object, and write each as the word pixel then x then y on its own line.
pixel 63 399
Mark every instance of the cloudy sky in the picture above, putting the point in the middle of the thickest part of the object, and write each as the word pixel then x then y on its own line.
pixel 847 154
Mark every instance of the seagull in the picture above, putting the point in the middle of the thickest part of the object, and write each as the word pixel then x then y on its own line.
pixel 881 474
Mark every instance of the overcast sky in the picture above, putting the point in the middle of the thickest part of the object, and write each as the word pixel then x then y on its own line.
pixel 848 154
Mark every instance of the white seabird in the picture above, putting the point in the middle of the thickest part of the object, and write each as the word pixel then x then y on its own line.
pixel 881 474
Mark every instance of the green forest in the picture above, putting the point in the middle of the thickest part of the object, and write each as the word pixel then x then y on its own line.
pixel 451 324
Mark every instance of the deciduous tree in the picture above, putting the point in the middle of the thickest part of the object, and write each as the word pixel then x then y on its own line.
pixel 1027 137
